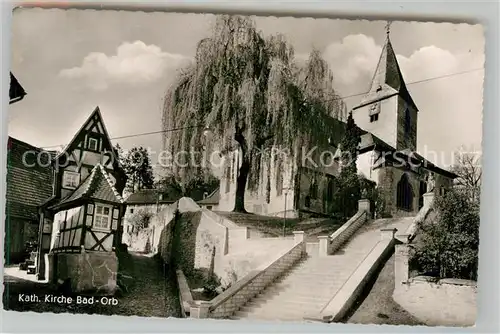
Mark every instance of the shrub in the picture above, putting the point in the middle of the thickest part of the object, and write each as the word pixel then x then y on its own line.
pixel 140 220
pixel 448 247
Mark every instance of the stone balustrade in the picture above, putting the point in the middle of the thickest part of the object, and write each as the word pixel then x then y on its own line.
pixel 330 244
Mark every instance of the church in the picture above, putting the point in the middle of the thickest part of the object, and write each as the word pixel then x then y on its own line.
pixel 388 118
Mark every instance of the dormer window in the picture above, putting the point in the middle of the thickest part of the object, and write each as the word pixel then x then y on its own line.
pixel 373 118
pixel 71 180
pixel 93 144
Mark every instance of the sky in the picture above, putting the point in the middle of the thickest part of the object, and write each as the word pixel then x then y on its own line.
pixel 70 61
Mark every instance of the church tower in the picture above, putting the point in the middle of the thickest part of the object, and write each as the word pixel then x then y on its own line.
pixel 387 110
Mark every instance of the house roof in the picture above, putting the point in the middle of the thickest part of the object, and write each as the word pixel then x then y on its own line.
pixel 151 196
pixel 211 199
pixel 29 183
pixel 93 115
pixel 16 91
pixel 387 80
pixel 98 186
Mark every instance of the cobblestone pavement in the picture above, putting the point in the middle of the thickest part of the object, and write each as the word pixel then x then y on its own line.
pixel 151 295
pixel 378 307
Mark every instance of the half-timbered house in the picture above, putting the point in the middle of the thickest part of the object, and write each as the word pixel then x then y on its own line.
pixel 83 217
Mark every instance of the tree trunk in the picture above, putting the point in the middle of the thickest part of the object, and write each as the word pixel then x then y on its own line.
pixel 242 177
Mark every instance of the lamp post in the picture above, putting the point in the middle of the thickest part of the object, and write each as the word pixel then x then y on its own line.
pixel 284 213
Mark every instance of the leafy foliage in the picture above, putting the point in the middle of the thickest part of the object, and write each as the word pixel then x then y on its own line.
pixel 349 192
pixel 137 166
pixel 468 168
pixel 448 247
pixel 194 187
pixel 140 220
pixel 251 93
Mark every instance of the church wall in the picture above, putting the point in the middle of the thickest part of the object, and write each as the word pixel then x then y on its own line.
pixel 441 182
pixel 406 140
pixel 385 127
pixel 307 203
pixel 388 182
pixel 364 164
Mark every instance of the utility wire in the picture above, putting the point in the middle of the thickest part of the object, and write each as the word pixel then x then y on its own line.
pixel 339 98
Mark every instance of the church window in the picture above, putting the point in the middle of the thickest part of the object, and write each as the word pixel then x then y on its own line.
pixel 373 118
pixel 307 202
pixel 313 189
pixel 330 191
pixel 407 122
pixel 404 194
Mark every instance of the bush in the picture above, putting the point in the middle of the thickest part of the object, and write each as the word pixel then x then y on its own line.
pixel 140 220
pixel 448 247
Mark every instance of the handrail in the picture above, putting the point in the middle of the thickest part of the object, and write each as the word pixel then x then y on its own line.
pixel 347 224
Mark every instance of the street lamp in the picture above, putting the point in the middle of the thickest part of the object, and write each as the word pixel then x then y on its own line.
pixel 284 213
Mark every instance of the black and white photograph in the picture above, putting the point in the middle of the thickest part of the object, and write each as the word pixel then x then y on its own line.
pixel 246 168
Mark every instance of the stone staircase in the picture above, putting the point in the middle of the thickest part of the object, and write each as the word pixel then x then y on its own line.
pixel 306 289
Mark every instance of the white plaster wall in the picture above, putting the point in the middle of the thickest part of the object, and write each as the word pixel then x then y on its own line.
pixel 364 163
pixel 386 126
pixel 249 255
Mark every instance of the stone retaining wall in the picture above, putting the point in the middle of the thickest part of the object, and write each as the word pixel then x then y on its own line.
pixel 248 287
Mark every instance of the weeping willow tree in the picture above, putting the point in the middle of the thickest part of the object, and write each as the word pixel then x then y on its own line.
pixel 250 92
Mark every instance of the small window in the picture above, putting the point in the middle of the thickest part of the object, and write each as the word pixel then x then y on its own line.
pixel 373 118
pixel 131 210
pixel 93 144
pixel 102 217
pixel 71 180
pixel 209 207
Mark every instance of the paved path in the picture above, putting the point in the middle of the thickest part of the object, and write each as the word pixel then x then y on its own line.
pixel 150 296
pixel 309 286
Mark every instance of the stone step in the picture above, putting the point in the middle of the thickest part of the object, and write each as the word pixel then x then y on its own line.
pixel 291 303
pixel 293 297
pixel 317 274
pixel 298 309
pixel 276 315
pixel 294 293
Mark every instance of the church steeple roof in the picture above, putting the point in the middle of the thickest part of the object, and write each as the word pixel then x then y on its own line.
pixel 387 80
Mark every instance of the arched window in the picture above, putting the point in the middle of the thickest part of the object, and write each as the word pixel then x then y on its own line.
pixel 407 122
pixel 307 202
pixel 330 190
pixel 404 194
pixel 313 188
